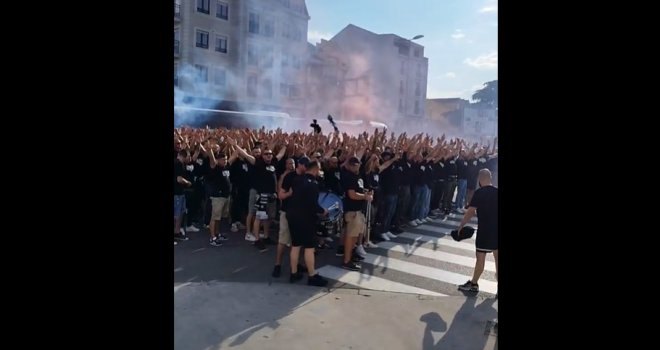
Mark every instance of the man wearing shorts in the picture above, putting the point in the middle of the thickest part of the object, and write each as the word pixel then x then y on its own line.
pixel 219 187
pixel 180 182
pixel 284 193
pixel 354 205
pixel 484 204
pixel 302 216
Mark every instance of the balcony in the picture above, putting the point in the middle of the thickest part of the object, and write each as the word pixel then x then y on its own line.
pixel 176 48
pixel 177 12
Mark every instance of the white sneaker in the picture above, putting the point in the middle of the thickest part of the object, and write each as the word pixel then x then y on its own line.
pixel 360 250
pixel 250 237
pixel 329 239
pixel 261 235
pixel 419 222
pixel 384 237
pixel 234 227
pixel 371 244
pixel 428 218
pixel 390 234
pixel 413 223
pixel 192 228
pixel 240 225
pixel 183 232
pixel 175 243
pixel 461 210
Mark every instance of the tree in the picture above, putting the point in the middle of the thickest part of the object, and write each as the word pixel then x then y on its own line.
pixel 487 96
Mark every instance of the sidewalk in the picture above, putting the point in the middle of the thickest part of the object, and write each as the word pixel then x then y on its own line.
pixel 220 315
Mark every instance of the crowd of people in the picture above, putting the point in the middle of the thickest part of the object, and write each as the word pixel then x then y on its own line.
pixel 253 179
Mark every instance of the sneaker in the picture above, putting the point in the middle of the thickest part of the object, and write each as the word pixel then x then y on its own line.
pixel 371 244
pixel 222 237
pixel 419 222
pixel 295 277
pixel 215 242
pixel 277 271
pixel 360 250
pixel 428 218
pixel 340 251
pixel 250 237
pixel 240 225
pixel 396 230
pixel 261 246
pixel 413 223
pixel 351 266
pixel 390 235
pixel 269 241
pixel 469 287
pixel 384 237
pixel 262 236
pixel 181 237
pixel 329 239
pixel 192 228
pixel 323 245
pixel 182 231
pixel 317 281
pixel 356 257
pixel 234 227
pixel 175 243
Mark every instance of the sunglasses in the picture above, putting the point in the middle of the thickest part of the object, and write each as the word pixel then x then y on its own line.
pixel 268 154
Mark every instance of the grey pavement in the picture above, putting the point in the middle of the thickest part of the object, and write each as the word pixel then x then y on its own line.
pixel 221 315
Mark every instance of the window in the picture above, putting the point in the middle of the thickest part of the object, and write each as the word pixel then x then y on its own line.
pixel 294 91
pixel 252 86
pixel 268 89
pixel 418 52
pixel 267 55
pixel 202 74
pixel 220 77
pixel 252 58
pixel 417 90
pixel 222 10
pixel 286 30
pixel 204 6
pixel 285 60
pixel 404 48
pixel 254 23
pixel 295 62
pixel 401 88
pixel 202 39
pixel 176 42
pixel 221 43
pixel 416 107
pixel 269 28
pixel 284 90
pixel 403 67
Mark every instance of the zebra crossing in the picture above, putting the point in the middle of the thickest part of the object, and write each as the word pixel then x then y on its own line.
pixel 423 260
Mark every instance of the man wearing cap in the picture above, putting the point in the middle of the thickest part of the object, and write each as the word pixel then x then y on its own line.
pixel 484 204
pixel 354 205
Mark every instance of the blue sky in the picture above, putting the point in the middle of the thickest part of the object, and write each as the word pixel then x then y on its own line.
pixel 460 36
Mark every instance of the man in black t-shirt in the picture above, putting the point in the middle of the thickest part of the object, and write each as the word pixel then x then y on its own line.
pixel 355 201
pixel 284 192
pixel 218 178
pixel 389 185
pixel 484 204
pixel 302 216
pixel 180 183
pixel 462 170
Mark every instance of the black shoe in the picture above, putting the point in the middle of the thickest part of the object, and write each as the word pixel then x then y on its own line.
pixel 277 271
pixel 355 257
pixel 351 266
pixel 340 251
pixel 323 246
pixel 180 237
pixel 396 230
pixel 295 277
pixel 469 287
pixel 222 238
pixel 260 245
pixel 269 241
pixel 317 281
pixel 215 242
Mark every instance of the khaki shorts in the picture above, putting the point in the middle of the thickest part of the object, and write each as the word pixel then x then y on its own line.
pixel 285 234
pixel 355 223
pixel 219 207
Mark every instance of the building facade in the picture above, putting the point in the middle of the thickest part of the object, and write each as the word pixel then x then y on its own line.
pixel 247 52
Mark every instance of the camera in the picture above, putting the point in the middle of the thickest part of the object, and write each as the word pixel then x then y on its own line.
pixel 315 126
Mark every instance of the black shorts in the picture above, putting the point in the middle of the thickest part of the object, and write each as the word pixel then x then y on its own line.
pixel 486 241
pixel 303 232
